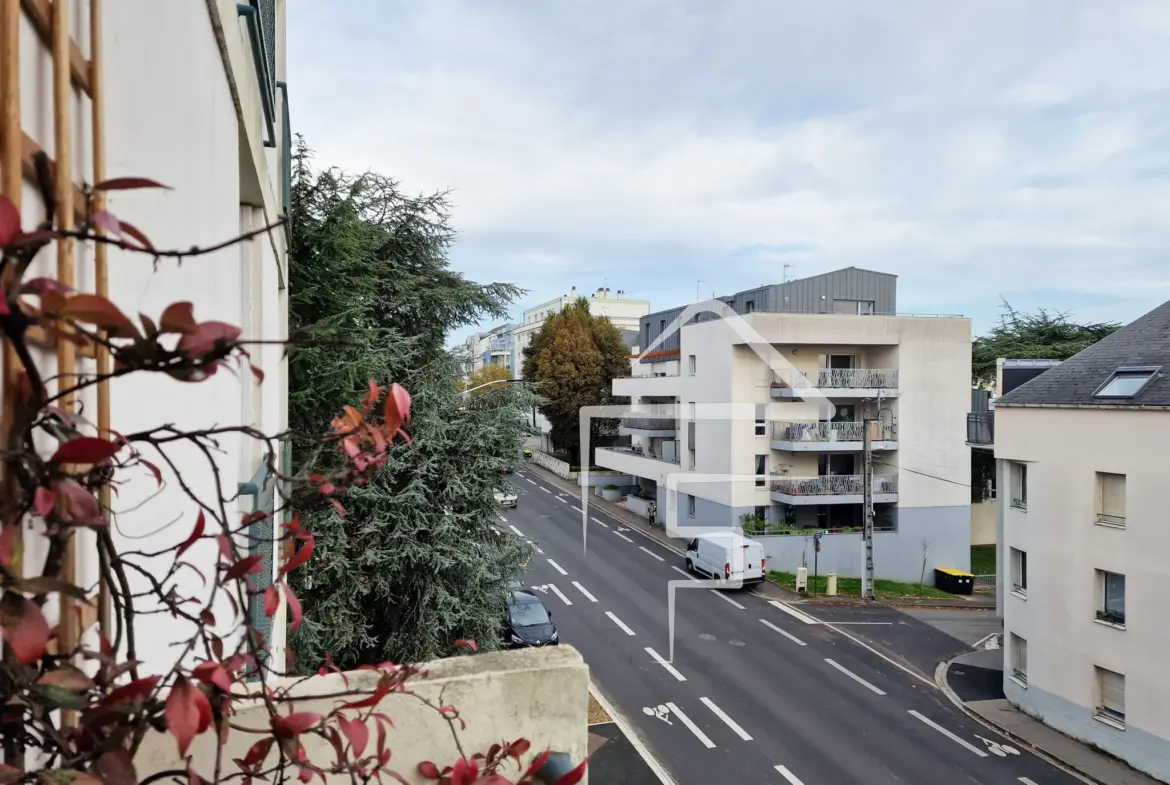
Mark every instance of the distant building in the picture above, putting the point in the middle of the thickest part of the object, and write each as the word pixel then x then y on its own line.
pixel 1081 462
pixel 494 347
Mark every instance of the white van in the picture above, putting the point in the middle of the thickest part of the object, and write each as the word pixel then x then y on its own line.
pixel 727 556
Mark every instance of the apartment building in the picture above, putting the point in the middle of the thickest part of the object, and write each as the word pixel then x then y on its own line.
pixel 1082 530
pixel 192 95
pixel 728 410
pixel 497 346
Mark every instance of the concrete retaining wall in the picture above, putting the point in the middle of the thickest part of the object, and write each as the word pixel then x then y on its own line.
pixel 554 465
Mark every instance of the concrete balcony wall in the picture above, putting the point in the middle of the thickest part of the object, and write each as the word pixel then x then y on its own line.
pixel 538 694
pixel 637 386
pixel 636 464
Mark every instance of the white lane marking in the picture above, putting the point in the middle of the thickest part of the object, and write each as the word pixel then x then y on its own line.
pixel 562 500
pixel 804 617
pixel 684 572
pixel 534 545
pixel 669 668
pixel 723 716
pixel 546 490
pixel 961 742
pixel 853 676
pixel 531 481
pixel 602 524
pixel 785 633
pixel 560 594
pixel 723 596
pixel 578 509
pixel 518 532
pixel 692 727
pixel 619 623
pixel 624 537
pixel 557 567
pixel 652 553
pixel 655 765
pixel 788 775
pixel 502 518
pixel 1026 781
pixel 582 589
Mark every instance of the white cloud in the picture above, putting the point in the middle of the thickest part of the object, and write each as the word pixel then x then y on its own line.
pixel 973 148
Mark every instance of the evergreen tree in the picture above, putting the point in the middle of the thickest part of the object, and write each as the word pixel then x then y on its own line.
pixel 417 562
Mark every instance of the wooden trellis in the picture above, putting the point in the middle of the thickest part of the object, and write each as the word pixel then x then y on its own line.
pixel 72 74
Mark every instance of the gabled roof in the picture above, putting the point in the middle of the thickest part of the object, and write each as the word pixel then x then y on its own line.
pixel 1142 344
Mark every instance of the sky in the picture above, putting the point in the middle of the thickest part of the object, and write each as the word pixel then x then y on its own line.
pixel 981 150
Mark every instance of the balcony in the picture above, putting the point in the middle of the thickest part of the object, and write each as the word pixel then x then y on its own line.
pixel 833 489
pixel 981 429
pixel 664 426
pixel 837 383
pixel 831 436
pixel 646 464
pixel 500 347
pixel 649 383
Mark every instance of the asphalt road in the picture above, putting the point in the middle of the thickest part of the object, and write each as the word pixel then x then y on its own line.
pixel 745 690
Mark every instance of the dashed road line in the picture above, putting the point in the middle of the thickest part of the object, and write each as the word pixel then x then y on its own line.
pixel 578 509
pixel 961 742
pixel 785 633
pixel 562 500
pixel 624 537
pixel 585 591
pixel 535 546
pixel 557 567
pixel 1027 781
pixel 723 596
pixel 723 716
pixel 518 532
pixel 652 553
pixel 546 490
pixel 854 676
pixel 502 518
pixel 552 587
pixel 619 623
pixel 684 572
pixel 692 727
pixel 788 775
pixel 669 668
pixel 804 617
pixel 531 481
pixel 602 524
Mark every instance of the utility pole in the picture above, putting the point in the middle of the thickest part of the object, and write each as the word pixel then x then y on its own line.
pixel 698 284
pixel 868 424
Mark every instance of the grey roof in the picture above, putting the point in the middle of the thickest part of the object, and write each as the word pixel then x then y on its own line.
pixel 1144 342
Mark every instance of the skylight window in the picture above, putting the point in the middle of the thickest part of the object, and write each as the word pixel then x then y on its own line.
pixel 1126 382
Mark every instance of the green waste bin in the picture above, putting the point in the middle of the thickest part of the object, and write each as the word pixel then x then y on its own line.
pixel 954 581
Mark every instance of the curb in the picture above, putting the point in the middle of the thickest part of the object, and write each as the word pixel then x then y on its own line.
pixel 940 679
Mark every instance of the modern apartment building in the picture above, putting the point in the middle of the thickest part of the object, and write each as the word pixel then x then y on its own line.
pixel 730 408
pixel 192 95
pixel 497 346
pixel 1082 516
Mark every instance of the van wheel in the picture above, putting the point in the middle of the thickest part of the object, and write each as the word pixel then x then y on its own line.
pixel 690 566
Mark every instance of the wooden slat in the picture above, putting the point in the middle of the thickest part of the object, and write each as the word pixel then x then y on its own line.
pixel 40 13
pixel 36 336
pixel 29 151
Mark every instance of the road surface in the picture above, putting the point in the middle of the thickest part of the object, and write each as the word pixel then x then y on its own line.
pixel 747 690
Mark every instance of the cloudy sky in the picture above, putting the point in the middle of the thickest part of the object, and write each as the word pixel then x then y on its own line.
pixel 976 148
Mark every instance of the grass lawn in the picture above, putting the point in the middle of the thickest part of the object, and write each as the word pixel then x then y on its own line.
pixel 983 559
pixel 851 587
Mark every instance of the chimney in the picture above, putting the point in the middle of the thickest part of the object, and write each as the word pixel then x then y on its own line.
pixel 573 291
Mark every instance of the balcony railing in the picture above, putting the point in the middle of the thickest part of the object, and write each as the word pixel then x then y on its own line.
pixel 830 432
pixel 833 485
pixel 499 347
pixel 650 423
pixel 651 453
pixel 838 379
pixel 645 375
pixel 981 427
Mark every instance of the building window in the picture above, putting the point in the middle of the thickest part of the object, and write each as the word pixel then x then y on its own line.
pixel 691 364
pixel 1126 382
pixel 1111 499
pixel 661 326
pixel 694 412
pixel 690 505
pixel 761 419
pixel 1019 655
pixel 1112 593
pixel 1019 489
pixel 762 512
pixel 691 462
pixel 761 471
pixel 1110 697
pixel 749 306
pixel 1019 563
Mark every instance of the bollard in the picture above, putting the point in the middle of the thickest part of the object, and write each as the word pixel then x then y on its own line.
pixel 831 584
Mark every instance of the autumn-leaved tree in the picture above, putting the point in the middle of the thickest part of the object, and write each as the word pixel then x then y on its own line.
pixel 485 376
pixel 573 361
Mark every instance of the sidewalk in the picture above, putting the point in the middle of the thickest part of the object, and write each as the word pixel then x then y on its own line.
pixel 769 589
pixel 974 681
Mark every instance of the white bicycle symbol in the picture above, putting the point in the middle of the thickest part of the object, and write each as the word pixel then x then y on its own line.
pixel 995 748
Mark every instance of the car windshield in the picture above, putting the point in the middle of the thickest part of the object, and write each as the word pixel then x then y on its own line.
pixel 528 614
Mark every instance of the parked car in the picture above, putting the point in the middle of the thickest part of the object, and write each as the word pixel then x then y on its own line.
pixel 727 556
pixel 528 622
pixel 507 497
pixel 504 470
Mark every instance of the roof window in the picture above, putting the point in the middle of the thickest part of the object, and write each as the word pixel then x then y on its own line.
pixel 1126 382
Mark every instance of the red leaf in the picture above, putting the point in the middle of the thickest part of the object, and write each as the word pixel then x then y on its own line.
pixel 397 408
pixel 212 673
pixel 196 533
pixel 466 643
pixel 464 772
pixel 249 565
pixel 204 338
pixel 574 776
pixel 521 746
pixel 153 470
pixel 381 691
pixel 271 600
pixel 134 692
pixel 104 219
pixel 128 183
pixel 25 630
pixel 428 770
pixel 226 548
pixel 133 231
pixel 116 768
pixel 296 724
pixel 9 540
pixel 192 777
pixel 338 506
pixel 76 505
pixel 42 285
pixel 294 606
pixel 256 372
pixel 177 318
pixel 43 501
pixel 207 618
pixel 258 752
pixel 301 556
pixel 9 221
pixel 85 449
pixel 357 732
pixel 188 713
pixel 101 313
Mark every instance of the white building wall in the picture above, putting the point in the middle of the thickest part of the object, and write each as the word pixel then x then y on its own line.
pixel 1063 450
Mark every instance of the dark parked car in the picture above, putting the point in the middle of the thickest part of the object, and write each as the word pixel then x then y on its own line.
pixel 528 622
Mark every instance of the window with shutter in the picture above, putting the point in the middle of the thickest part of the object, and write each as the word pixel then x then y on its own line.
pixel 1111 499
pixel 761 470
pixel 1019 652
pixel 1110 696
